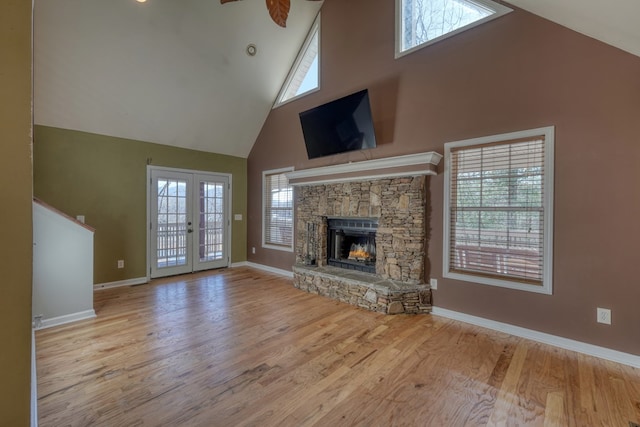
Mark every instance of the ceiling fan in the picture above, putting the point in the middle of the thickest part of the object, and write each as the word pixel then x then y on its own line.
pixel 278 9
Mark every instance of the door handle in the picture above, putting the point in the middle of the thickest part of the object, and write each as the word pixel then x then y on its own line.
pixel 189 230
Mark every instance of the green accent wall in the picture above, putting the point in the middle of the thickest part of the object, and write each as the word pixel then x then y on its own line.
pixel 105 179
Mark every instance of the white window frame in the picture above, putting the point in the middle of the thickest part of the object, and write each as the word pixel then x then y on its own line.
pixel 548 179
pixel 264 211
pixel 315 28
pixel 499 9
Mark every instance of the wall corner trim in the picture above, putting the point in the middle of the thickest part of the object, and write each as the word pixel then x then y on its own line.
pixel 556 341
pixel 34 381
pixel 266 268
pixel 119 283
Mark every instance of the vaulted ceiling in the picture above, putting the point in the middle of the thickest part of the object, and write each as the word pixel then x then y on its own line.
pixel 612 21
pixel 177 72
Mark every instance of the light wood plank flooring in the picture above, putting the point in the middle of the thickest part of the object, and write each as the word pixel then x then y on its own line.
pixel 240 347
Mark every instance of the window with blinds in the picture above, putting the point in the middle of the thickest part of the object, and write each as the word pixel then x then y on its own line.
pixel 277 202
pixel 498 210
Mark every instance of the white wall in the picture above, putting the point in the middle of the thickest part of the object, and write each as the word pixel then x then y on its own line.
pixel 62 268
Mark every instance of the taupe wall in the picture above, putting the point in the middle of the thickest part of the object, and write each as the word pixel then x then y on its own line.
pixel 15 213
pixel 104 179
pixel 517 72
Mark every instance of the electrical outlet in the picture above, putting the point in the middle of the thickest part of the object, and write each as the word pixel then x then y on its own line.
pixel 120 263
pixel 433 283
pixel 37 321
pixel 253 249
pixel 604 315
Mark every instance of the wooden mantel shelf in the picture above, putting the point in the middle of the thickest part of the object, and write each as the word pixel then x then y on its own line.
pixel 407 165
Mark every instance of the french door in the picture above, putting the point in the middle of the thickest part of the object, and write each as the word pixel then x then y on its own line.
pixel 189 221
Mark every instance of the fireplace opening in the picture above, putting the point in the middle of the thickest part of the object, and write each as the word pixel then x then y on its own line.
pixel 351 243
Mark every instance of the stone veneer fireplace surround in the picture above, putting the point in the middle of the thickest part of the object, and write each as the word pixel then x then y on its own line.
pixel 391 191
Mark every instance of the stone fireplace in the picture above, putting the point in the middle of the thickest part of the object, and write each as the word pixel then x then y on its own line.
pixel 367 235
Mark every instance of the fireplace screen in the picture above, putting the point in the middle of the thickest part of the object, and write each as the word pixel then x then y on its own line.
pixel 352 243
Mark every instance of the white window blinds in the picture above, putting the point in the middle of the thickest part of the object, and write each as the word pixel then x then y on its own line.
pixel 278 211
pixel 497 210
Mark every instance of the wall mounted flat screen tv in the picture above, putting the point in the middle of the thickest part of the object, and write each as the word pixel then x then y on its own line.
pixel 339 126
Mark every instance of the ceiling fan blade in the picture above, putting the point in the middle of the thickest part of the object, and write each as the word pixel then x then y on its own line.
pixel 279 11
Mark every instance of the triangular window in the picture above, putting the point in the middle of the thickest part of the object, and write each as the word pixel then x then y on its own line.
pixel 304 76
pixel 423 22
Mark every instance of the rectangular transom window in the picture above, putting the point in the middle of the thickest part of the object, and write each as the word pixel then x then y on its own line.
pixel 498 210
pixel 422 22
pixel 277 218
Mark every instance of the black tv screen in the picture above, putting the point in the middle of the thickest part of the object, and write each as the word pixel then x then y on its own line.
pixel 339 126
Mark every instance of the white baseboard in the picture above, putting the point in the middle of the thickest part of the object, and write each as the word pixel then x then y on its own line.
pixel 67 318
pixel 119 283
pixel 269 269
pixel 566 343
pixel 239 264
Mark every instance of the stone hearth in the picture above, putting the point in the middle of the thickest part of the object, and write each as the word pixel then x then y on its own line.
pixel 363 290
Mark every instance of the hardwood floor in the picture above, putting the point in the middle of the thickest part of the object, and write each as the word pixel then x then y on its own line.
pixel 240 347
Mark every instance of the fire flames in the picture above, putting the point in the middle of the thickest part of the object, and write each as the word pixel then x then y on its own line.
pixel 359 253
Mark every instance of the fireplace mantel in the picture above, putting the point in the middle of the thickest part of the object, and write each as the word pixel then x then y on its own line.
pixel 407 165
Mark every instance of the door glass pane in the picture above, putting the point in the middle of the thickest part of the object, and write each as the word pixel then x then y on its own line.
pixel 171 236
pixel 211 221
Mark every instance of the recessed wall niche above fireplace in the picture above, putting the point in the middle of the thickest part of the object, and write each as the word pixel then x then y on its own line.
pixel 368 228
